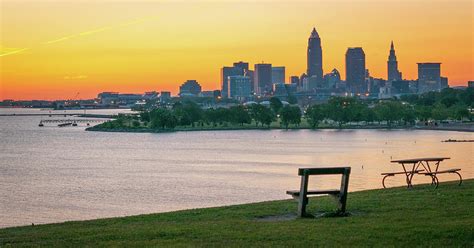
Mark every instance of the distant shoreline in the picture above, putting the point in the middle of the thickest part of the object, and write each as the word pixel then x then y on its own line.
pixel 469 128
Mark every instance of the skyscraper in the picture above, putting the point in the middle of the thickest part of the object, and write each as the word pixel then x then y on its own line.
pixel 226 72
pixel 263 78
pixel 240 87
pixel 355 70
pixel 315 56
pixel 242 66
pixel 278 74
pixel 429 77
pixel 392 66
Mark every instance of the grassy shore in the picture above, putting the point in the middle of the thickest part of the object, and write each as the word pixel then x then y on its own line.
pixel 423 216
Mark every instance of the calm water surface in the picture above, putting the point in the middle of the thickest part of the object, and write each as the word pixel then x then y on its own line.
pixel 53 174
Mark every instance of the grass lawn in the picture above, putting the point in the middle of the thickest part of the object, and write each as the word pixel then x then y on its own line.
pixel 423 216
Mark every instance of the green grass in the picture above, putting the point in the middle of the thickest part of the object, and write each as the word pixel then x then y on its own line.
pixel 423 216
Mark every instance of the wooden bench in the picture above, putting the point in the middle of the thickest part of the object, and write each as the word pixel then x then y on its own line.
pixel 391 174
pixel 434 174
pixel 340 194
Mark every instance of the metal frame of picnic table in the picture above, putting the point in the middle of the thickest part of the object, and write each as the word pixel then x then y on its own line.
pixel 416 164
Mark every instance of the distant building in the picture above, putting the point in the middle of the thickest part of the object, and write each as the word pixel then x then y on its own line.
pixel 392 66
pixel 150 95
pixel 332 79
pixel 240 87
pixel 314 56
pixel 279 89
pixel 355 70
pixel 278 74
pixel 242 66
pixel 400 87
pixel 226 72
pixel 295 80
pixel 263 79
pixel 190 88
pixel 470 84
pixel 444 83
pixel 108 98
pixel 429 77
pixel 165 96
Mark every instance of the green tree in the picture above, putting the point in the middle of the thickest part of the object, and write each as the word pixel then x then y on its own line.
pixel 290 115
pixel 276 104
pixel 240 115
pixel 315 114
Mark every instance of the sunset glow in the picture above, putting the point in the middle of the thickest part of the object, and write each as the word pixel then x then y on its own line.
pixel 54 49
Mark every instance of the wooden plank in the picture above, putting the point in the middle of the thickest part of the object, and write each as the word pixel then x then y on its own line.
pixel 303 199
pixel 314 192
pixel 323 171
pixel 396 173
pixel 415 160
pixel 344 191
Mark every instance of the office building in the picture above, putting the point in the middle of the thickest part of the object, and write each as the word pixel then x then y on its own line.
pixel 240 87
pixel 429 77
pixel 314 56
pixel 263 78
pixel 355 70
pixel 278 74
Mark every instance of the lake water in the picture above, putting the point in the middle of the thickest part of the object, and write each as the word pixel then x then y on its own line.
pixel 51 174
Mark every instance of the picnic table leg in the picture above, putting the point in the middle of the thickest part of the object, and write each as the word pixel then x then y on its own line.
pixel 303 199
pixel 343 191
pixel 409 174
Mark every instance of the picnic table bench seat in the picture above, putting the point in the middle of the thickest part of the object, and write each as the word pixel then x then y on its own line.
pixel 434 173
pixel 296 193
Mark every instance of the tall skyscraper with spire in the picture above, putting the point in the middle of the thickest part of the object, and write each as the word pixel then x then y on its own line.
pixel 315 56
pixel 392 66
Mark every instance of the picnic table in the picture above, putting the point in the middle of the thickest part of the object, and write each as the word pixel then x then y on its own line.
pixel 422 166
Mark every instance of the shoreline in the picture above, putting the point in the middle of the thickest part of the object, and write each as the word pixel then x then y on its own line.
pixel 469 129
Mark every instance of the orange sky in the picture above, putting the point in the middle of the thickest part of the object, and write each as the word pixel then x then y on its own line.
pixel 56 49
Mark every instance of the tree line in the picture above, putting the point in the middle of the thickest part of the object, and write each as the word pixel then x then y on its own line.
pixel 448 104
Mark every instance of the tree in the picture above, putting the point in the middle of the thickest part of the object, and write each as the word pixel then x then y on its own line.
pixel 439 112
pixel 163 118
pixel 315 114
pixel 276 104
pixel 261 114
pixel 290 115
pixel 188 113
pixel 211 115
pixel 240 115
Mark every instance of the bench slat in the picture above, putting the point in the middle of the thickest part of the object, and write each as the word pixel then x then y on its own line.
pixel 324 171
pixel 441 172
pixel 315 192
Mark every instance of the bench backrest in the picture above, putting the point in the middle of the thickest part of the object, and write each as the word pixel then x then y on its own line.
pixel 324 171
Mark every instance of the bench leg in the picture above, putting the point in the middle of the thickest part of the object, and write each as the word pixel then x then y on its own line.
pixel 303 199
pixel 343 192
pixel 383 180
pixel 460 178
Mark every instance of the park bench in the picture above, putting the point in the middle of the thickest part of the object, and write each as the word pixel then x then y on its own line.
pixel 434 174
pixel 339 194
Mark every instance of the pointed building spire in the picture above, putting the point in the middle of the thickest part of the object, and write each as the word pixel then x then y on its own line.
pixel 314 33
pixel 391 46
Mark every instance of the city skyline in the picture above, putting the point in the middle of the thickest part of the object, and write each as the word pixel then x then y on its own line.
pixel 53 73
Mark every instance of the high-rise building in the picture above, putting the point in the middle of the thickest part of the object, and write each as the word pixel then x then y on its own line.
pixel 240 87
pixel 227 71
pixel 332 79
pixel 190 88
pixel 295 80
pixel 263 78
pixel 278 74
pixel 355 70
pixel 242 66
pixel 392 66
pixel 314 56
pixel 429 77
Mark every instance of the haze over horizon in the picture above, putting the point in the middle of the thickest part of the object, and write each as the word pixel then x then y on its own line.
pixel 52 50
